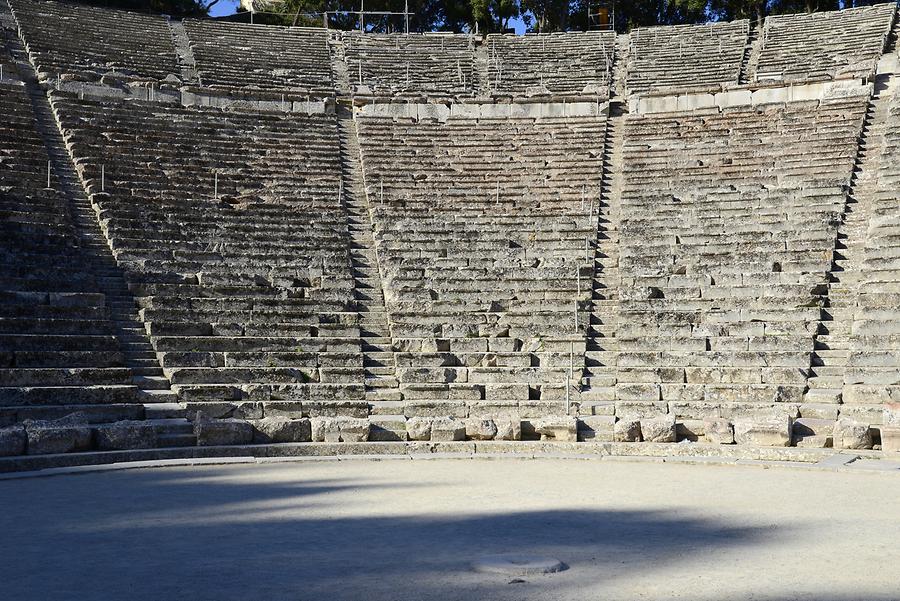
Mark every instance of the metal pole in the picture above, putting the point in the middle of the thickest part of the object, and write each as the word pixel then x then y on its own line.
pixel 216 186
pixel 48 174
pixel 406 15
pixel 103 178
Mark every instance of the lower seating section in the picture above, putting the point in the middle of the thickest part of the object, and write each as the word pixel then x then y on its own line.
pixel 410 64
pixel 481 229
pixel 58 350
pixel 237 55
pixel 827 45
pixel 232 234
pixel 681 56
pixel 729 226
pixel 86 43
pixel 567 63
pixel 873 372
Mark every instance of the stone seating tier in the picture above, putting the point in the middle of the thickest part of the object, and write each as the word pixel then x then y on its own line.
pixel 729 226
pixel 686 55
pixel 230 229
pixel 411 64
pixel 826 45
pixel 242 56
pixel 87 43
pixel 569 63
pixel 487 287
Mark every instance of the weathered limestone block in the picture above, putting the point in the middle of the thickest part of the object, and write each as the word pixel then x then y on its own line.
pixel 339 429
pixel 718 431
pixel 281 429
pixel 419 428
pixel 849 434
pixel 125 435
pixel 509 429
pixel 764 432
pixel 891 416
pixel 597 428
pixel 447 429
pixel 890 439
pixel 563 429
pixel 66 435
pixel 627 430
pixel 658 429
pixel 480 429
pixel 813 432
pixel 12 440
pixel 387 428
pixel 217 432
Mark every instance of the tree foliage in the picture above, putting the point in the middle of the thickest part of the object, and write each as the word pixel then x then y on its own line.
pixel 497 15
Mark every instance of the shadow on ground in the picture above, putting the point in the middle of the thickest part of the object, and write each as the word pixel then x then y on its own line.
pixel 167 535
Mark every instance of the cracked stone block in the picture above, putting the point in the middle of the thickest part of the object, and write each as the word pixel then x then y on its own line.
pixel 281 429
pixel 658 429
pixel 627 430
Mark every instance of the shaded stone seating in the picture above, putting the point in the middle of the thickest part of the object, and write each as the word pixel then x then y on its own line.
pixel 85 43
pixel 481 234
pixel 261 57
pixel 58 350
pixel 245 281
pixel 824 45
pixel 413 64
pixel 729 226
pixel 568 63
pixel 873 365
pixel 682 56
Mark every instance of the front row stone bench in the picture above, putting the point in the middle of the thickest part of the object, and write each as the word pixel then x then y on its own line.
pixel 345 424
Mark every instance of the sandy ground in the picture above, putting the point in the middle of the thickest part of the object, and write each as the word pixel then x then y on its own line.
pixel 398 530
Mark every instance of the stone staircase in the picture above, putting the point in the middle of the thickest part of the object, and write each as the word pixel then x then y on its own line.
pixel 378 357
pixel 599 378
pixel 832 343
pixel 751 53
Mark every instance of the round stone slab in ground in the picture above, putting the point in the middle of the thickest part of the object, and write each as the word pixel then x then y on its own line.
pixel 514 564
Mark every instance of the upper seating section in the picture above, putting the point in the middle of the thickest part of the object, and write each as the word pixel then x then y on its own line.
pixel 729 226
pixel 682 56
pixel 436 64
pixel 826 45
pixel 566 64
pixel 230 228
pixel 238 56
pixel 84 43
pixel 482 229
pixel 58 351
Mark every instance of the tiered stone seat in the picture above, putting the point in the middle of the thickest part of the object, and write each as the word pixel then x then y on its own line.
pixel 86 43
pixel 873 372
pixel 567 63
pixel 481 234
pixel 261 57
pixel 729 225
pixel 58 350
pixel 438 64
pixel 824 45
pixel 246 293
pixel 682 56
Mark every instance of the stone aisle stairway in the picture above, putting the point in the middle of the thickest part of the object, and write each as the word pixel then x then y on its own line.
pixel 186 61
pixel 831 348
pixel 339 74
pixel 751 53
pixel 378 356
pixel 599 378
